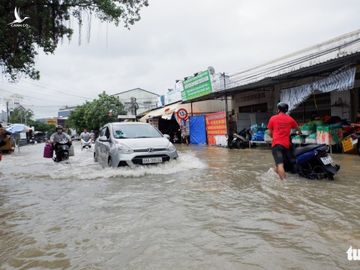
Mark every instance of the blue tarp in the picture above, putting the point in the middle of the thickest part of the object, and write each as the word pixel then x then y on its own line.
pixel 197 129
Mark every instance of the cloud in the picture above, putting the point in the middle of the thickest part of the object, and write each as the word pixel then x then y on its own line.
pixel 177 38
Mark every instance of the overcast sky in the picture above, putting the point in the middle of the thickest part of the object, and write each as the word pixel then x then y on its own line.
pixel 176 38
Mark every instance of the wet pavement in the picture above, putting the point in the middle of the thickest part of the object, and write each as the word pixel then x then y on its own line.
pixel 213 208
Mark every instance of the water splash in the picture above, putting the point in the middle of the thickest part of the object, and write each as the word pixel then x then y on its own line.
pixel 83 167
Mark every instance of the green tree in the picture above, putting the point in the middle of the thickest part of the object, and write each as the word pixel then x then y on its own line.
pixel 48 24
pixel 21 115
pixel 40 126
pixel 94 114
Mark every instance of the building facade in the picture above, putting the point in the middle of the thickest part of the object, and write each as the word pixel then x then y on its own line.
pixel 138 100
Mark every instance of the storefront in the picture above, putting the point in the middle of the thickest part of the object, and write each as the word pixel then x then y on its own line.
pixel 165 120
pixel 170 119
pixel 324 108
pixel 324 104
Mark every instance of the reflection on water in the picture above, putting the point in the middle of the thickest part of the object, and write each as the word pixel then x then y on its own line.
pixel 213 208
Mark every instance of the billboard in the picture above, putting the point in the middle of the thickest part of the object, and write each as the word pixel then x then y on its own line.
pixel 197 86
pixel 216 128
pixel 52 121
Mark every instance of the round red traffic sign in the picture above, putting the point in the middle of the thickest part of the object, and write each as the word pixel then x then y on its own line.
pixel 182 113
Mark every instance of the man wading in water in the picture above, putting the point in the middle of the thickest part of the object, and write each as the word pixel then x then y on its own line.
pixel 280 126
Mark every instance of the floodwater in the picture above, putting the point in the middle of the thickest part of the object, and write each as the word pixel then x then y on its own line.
pixel 213 208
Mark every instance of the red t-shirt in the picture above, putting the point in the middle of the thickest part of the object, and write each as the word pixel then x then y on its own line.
pixel 281 125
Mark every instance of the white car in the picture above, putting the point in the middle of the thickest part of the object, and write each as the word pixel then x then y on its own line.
pixel 132 143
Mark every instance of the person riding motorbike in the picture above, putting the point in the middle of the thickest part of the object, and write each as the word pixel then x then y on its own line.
pixel 85 138
pixel 58 137
pixel 280 126
pixel 85 135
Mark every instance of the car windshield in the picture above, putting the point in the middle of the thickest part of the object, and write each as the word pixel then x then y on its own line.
pixel 133 131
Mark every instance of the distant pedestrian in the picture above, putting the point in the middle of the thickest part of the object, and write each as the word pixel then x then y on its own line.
pixel 184 127
pixel 231 130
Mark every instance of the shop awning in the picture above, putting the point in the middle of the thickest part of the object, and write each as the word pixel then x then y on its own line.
pixel 341 80
pixel 164 112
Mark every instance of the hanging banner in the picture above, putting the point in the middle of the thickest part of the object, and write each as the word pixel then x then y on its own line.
pixel 339 81
pixel 216 128
pixel 197 86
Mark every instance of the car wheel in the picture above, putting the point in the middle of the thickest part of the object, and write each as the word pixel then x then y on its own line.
pixel 95 157
pixel 109 162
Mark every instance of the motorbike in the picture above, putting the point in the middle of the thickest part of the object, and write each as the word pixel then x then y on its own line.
pixel 61 151
pixel 241 139
pixel 85 144
pixel 314 162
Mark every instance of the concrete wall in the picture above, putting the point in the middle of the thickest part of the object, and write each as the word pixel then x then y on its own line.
pixel 245 120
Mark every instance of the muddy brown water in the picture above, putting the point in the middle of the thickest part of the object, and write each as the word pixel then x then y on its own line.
pixel 213 208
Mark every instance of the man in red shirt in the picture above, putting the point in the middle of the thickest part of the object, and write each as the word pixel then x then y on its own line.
pixel 280 126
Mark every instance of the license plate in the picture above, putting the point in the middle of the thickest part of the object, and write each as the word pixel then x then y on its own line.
pixel 326 160
pixel 152 160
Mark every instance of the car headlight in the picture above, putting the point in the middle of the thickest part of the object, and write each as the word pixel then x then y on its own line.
pixel 171 147
pixel 124 149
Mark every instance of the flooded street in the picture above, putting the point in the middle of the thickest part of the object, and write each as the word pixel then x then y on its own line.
pixel 213 208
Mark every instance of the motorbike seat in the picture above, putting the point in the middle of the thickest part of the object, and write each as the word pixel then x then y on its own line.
pixel 301 150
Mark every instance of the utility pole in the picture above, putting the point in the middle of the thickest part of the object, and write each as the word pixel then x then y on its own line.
pixel 223 75
pixel 7 112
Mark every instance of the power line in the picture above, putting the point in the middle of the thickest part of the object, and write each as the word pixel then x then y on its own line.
pixel 13 87
pixel 31 97
pixel 55 90
pixel 48 106
pixel 51 89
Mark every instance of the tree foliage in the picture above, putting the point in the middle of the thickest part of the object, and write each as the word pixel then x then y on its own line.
pixel 25 116
pixel 21 115
pixel 50 22
pixel 92 115
pixel 39 126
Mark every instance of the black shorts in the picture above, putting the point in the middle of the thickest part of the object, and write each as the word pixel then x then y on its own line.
pixel 282 155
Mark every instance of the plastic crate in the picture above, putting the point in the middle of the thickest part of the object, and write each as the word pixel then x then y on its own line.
pixel 348 145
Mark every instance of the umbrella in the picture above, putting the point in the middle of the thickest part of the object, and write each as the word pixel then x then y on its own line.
pixel 17 128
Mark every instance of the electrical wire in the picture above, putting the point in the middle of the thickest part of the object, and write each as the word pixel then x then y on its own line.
pixel 53 89
pixel 282 66
pixel 31 97
pixel 15 88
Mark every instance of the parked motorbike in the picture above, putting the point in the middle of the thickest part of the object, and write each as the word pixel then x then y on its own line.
pixel 85 144
pixel 314 162
pixel 62 151
pixel 241 139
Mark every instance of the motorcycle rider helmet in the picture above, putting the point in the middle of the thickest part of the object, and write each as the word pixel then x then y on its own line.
pixel 283 107
pixel 59 128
